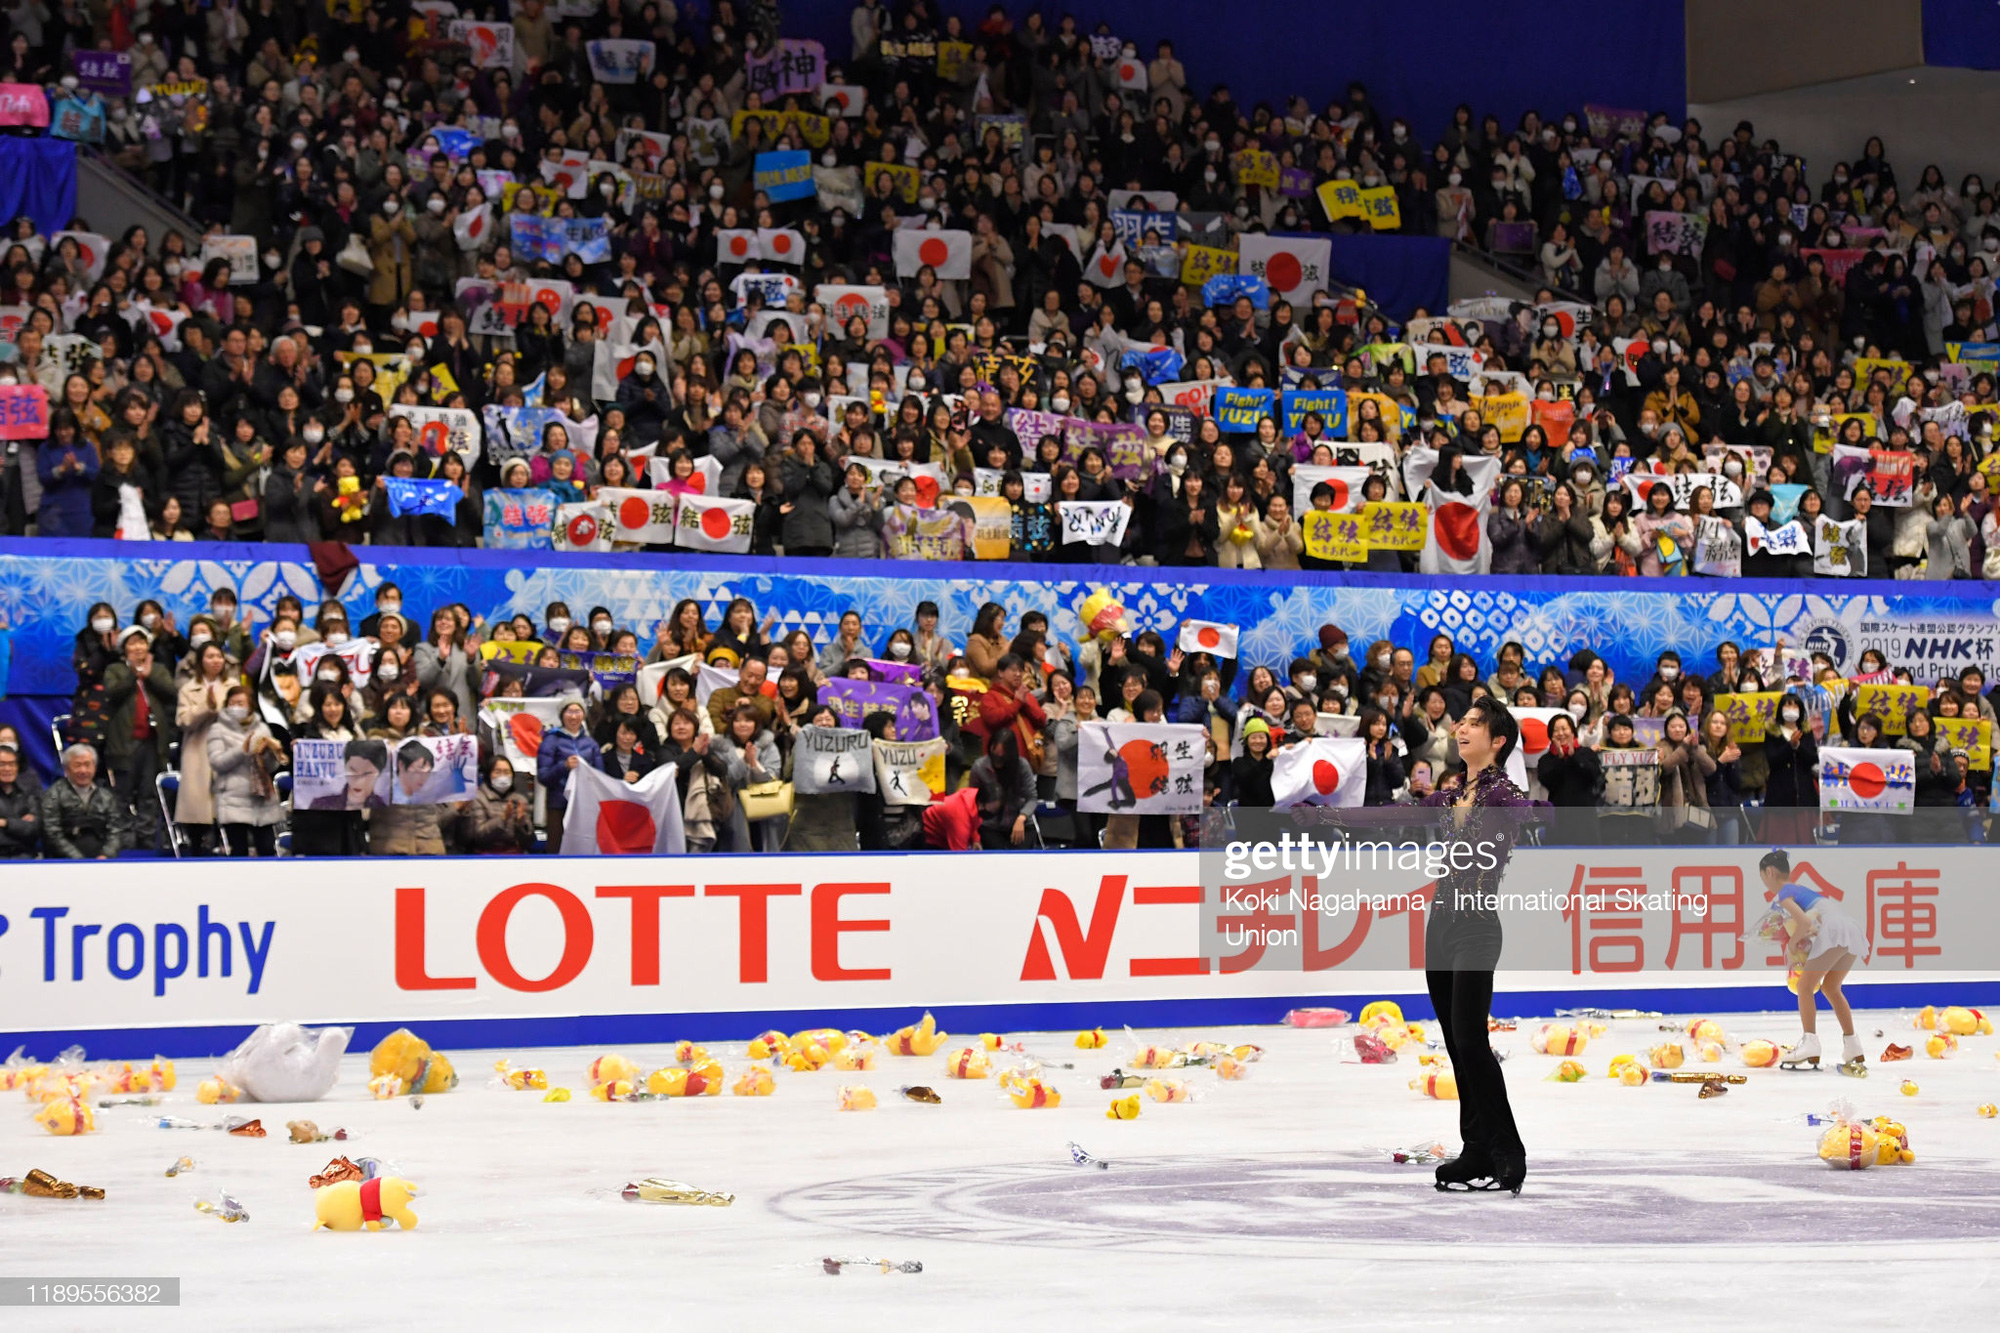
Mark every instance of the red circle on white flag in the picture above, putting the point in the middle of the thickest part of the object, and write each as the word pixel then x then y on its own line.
pixel 634 512
pixel 1326 778
pixel 625 826
pixel 933 252
pixel 1340 495
pixel 1867 781
pixel 1457 529
pixel 1534 735
pixel 1282 271
pixel 851 305
pixel 1208 636
pixel 1107 265
pixel 1128 71
pixel 739 246
pixel 582 530
pixel 714 524
pixel 781 243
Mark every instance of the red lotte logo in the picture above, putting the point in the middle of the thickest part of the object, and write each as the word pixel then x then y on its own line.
pixel 1084 951
pixel 579 933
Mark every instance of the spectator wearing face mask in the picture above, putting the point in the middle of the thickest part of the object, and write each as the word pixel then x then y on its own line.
pixel 243 761
pixel 646 399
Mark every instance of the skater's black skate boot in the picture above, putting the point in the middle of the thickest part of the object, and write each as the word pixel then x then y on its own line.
pixel 1510 1168
pixel 1473 1163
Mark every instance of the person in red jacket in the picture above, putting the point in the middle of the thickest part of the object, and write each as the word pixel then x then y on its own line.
pixel 1009 703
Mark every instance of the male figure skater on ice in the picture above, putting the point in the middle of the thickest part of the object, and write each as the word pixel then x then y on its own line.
pixel 1462 947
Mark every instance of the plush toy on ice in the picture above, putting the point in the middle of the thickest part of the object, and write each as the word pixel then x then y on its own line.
pixel 365 1205
pixel 409 1059
pixel 280 1062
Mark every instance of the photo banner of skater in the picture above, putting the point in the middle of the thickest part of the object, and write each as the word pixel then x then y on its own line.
pixel 479 938
pixel 1934 629
pixel 854 700
pixel 1140 768
pixel 369 774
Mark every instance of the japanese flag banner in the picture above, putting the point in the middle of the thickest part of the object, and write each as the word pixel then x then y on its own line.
pixel 1347 483
pixel 1093 522
pixel 1106 267
pixel 646 517
pixel 582 527
pixel 609 817
pixel 1140 768
pixel 909 772
pixel 704 524
pixel 1294 267
pixel 91 248
pixel 832 759
pixel 1205 636
pixel 1534 723
pixel 1458 541
pixel 781 245
pixel 843 302
pixel 1879 780
pixel 516 725
pixel 652 677
pixel 737 246
pixel 166 324
pixel 1130 73
pixel 948 253
pixel 842 99
pixel 1326 770
pixel 472 226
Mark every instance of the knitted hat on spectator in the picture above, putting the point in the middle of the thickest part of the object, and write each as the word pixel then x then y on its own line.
pixel 1329 635
pixel 1256 726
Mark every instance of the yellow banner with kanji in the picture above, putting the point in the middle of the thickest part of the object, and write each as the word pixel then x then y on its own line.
pixel 1253 166
pixel 1202 262
pixel 1891 703
pixel 815 130
pixel 1342 199
pixel 1334 536
pixel 1972 734
pixel 1899 369
pixel 1749 714
pixel 952 58
pixel 1380 208
pixel 906 179
pixel 1393 525
pixel 1508 411
pixel 1824 437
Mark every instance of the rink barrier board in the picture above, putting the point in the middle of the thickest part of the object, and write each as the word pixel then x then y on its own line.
pixel 47 586
pixel 184 958
pixel 611 1030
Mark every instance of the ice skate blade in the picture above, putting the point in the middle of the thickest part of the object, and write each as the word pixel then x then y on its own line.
pixel 1477 1185
pixel 1811 1064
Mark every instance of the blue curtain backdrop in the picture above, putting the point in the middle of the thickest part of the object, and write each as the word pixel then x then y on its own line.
pixel 1399 273
pixel 1418 61
pixel 1962 34
pixel 38 178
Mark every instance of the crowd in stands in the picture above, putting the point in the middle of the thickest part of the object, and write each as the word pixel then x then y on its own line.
pixel 1811 341
pixel 222 696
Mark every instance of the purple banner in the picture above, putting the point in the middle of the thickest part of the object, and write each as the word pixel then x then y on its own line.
pixel 896 673
pixel 107 72
pixel 853 700
pixel 1123 443
pixel 1295 182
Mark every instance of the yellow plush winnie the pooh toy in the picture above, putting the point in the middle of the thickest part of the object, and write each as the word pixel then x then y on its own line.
pixel 365 1205
pixel 410 1058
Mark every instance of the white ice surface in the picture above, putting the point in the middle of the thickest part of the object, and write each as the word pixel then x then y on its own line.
pixel 1265 1204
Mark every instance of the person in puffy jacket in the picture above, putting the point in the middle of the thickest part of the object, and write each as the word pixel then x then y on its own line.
pixel 856 518
pixel 808 481
pixel 563 747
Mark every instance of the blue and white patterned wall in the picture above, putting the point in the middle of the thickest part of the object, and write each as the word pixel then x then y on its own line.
pixel 47 587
